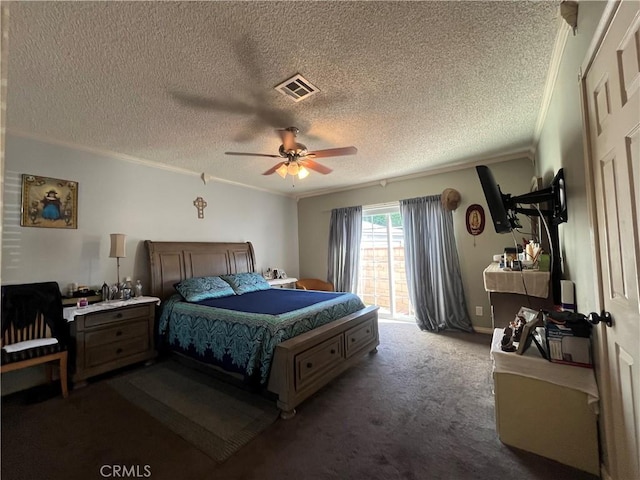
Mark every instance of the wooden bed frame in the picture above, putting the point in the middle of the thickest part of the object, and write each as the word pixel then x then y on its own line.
pixel 301 365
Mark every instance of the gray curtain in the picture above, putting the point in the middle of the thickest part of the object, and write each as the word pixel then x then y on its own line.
pixel 345 233
pixel 433 268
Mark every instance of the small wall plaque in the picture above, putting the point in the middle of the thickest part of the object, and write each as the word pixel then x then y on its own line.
pixel 475 220
pixel 200 204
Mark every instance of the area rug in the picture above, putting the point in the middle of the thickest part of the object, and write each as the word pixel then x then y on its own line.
pixel 216 417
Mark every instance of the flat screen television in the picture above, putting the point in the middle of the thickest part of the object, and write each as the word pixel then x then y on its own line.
pixel 504 207
pixel 551 203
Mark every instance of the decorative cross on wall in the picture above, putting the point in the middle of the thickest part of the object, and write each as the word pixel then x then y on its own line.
pixel 200 204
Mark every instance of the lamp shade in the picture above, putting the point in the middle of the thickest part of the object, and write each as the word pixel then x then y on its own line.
pixel 117 245
pixel 282 170
pixel 303 172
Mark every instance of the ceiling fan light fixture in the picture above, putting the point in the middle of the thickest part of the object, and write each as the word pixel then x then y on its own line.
pixel 296 160
pixel 282 171
pixel 303 172
pixel 293 169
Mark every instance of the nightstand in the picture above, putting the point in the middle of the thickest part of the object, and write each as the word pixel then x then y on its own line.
pixel 289 282
pixel 110 335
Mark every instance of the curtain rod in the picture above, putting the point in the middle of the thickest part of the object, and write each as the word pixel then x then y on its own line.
pixel 371 207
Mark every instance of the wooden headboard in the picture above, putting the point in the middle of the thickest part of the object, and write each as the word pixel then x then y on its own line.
pixel 172 262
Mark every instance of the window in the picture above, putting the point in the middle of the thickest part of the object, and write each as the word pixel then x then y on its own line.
pixel 382 280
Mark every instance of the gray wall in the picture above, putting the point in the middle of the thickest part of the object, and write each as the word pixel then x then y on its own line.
pixel 561 145
pixel 143 202
pixel 513 176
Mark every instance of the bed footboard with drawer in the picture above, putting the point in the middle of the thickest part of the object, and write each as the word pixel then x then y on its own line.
pixel 304 364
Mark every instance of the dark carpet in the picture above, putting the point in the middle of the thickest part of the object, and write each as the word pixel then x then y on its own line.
pixel 214 416
pixel 421 408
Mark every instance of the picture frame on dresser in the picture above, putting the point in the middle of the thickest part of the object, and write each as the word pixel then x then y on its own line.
pixel 529 336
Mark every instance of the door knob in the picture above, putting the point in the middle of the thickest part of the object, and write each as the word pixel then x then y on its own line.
pixel 604 317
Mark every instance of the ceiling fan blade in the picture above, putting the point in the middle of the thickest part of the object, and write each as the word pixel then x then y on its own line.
pixel 318 167
pixel 273 169
pixel 288 138
pixel 245 154
pixel 333 152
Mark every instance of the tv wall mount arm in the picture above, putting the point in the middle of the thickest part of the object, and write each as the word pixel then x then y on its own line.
pixel 553 195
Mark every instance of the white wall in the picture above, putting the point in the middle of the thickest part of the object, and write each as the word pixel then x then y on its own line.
pixel 117 196
pixel 513 176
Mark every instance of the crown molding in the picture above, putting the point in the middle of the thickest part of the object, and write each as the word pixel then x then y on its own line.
pixel 461 165
pixel 138 161
pixel 550 84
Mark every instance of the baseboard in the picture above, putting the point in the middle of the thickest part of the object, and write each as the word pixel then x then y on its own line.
pixel 485 330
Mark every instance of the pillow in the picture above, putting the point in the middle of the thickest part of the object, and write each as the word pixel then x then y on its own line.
pixel 201 288
pixel 246 282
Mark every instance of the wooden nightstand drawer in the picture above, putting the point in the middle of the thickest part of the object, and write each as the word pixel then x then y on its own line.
pixel 318 360
pixel 116 333
pixel 113 352
pixel 358 336
pixel 121 314
pixel 112 335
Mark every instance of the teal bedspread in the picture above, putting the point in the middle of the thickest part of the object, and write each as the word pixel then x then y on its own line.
pixel 243 341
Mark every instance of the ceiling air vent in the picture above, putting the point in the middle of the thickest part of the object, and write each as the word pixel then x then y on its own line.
pixel 297 88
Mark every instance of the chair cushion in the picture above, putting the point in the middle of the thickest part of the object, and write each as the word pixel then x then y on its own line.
pixel 17 352
pixel 37 342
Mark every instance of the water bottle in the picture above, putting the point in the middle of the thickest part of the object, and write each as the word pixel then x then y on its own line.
pixel 138 289
pixel 128 289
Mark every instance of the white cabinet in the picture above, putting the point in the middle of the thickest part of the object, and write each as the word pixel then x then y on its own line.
pixel 546 408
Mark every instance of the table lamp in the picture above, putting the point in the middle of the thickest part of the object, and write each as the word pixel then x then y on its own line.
pixel 117 251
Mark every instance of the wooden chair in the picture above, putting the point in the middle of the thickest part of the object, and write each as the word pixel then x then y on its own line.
pixel 314 284
pixel 34 331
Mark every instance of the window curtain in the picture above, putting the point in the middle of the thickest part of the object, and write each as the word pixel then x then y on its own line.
pixel 345 233
pixel 432 265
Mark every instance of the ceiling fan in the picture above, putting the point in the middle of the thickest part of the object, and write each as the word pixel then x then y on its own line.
pixel 297 157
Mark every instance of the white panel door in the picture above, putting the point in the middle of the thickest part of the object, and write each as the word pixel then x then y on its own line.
pixel 610 87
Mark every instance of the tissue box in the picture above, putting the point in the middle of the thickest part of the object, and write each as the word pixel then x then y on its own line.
pixel 568 344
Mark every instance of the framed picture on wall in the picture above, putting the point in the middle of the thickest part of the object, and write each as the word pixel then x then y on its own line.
pixel 49 202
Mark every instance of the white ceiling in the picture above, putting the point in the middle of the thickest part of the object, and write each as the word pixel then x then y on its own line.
pixel 415 86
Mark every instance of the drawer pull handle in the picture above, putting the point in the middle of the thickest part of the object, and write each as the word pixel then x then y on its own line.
pixel 333 351
pixel 119 315
pixel 367 331
pixel 353 339
pixel 309 365
pixel 119 351
pixel 118 333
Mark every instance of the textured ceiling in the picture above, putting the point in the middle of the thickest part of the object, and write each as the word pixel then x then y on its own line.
pixel 415 86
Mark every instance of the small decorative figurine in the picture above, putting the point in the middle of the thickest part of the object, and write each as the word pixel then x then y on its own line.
pixel 507 341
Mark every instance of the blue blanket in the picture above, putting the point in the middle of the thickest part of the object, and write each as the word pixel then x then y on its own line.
pixel 240 332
